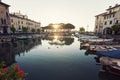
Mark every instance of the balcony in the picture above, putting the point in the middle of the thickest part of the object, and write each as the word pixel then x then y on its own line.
pixel 4 25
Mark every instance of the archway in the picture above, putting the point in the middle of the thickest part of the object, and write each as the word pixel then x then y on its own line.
pixel 107 31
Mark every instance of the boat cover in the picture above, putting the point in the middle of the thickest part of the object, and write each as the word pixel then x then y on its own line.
pixel 112 54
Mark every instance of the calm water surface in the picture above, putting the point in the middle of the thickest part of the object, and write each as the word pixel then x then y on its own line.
pixel 52 58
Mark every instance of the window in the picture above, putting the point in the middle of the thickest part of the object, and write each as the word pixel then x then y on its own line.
pixel 21 22
pixel 2 21
pixel 110 11
pixel 110 22
pixel 11 20
pixel 96 26
pixel 110 16
pixel 7 15
pixel 19 27
pixel 113 15
pixel 116 22
pixel 104 17
pixel 105 23
pixel 18 22
pixel 107 16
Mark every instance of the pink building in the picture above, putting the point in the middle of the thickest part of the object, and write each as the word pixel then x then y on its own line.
pixel 4 18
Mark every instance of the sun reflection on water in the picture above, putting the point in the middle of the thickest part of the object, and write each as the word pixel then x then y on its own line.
pixel 55 38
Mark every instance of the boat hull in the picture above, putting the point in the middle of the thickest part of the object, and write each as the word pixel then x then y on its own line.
pixel 113 69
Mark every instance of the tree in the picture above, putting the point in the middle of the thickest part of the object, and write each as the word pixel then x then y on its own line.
pixel 115 28
pixel 68 26
pixel 81 30
pixel 38 30
pixel 33 30
pixel 13 29
pixel 24 29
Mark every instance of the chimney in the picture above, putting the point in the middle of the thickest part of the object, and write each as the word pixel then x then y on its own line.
pixel 116 5
pixel 110 7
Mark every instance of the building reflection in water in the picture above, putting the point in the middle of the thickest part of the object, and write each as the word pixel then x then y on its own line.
pixel 8 51
pixel 59 40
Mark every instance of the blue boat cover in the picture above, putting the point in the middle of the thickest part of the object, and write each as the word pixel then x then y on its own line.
pixel 112 54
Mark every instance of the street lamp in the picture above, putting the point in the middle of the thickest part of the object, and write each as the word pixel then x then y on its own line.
pixel 87 28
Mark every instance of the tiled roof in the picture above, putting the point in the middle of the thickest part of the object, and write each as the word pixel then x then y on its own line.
pixel 13 15
pixel 4 4
pixel 101 14
pixel 113 7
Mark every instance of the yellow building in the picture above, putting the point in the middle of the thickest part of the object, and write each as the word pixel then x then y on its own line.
pixel 105 21
pixel 99 23
pixel 4 18
pixel 18 21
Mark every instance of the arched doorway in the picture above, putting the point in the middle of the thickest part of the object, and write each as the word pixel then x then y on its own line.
pixel 5 29
pixel 107 31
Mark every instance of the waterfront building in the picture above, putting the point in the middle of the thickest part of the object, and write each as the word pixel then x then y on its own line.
pixel 99 23
pixel 105 21
pixel 4 18
pixel 20 21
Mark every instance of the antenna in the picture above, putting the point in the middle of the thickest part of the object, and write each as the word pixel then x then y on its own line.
pixel 19 11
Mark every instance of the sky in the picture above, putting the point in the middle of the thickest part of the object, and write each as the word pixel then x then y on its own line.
pixel 80 13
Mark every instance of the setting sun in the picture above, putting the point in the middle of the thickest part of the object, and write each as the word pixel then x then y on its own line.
pixel 55 26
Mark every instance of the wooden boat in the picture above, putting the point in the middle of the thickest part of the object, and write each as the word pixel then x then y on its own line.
pixel 87 38
pixel 111 65
pixel 6 39
pixel 101 48
pixel 100 41
pixel 23 37
pixel 84 46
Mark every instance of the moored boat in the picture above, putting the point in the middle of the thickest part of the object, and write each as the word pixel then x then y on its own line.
pixel 111 65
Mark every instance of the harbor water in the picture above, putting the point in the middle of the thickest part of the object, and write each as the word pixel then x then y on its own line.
pixel 52 58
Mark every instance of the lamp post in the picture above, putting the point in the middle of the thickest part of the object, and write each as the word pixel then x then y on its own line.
pixel 87 27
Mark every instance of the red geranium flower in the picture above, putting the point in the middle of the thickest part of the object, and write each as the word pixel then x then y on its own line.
pixel 5 69
pixel 20 74
pixel 17 67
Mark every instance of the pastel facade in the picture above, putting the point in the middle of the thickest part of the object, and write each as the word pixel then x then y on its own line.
pixel 99 23
pixel 4 18
pixel 105 21
pixel 18 21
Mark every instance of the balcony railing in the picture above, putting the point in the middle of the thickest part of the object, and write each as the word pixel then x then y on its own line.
pixel 4 25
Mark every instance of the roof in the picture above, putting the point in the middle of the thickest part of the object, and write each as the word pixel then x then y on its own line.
pixel 100 14
pixel 4 4
pixel 109 13
pixel 113 7
pixel 13 15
